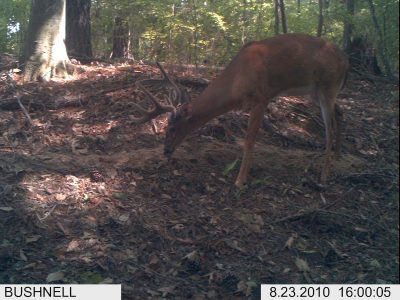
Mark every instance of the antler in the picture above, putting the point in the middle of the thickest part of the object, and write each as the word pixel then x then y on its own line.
pixel 176 96
pixel 148 114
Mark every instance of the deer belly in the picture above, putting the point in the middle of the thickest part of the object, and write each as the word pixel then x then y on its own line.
pixel 298 91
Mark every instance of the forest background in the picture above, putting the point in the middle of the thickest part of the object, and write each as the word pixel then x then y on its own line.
pixel 211 32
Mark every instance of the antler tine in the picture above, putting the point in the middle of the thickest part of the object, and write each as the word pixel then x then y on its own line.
pixel 166 76
pixel 177 94
pixel 149 114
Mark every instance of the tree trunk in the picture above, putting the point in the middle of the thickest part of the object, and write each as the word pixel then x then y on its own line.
pixel 195 35
pixel 277 18
pixel 362 56
pixel 121 39
pixel 283 16
pixel 45 53
pixel 78 28
pixel 382 51
pixel 245 20
pixel 348 25
pixel 259 20
pixel 320 18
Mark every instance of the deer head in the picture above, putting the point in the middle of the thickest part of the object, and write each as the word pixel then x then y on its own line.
pixel 178 127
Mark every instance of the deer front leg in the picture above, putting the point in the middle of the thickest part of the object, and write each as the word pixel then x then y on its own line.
pixel 255 121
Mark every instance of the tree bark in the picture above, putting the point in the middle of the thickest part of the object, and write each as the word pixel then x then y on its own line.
pixel 245 20
pixel 277 18
pixel 382 51
pixel 45 53
pixel 348 25
pixel 78 30
pixel 283 16
pixel 121 39
pixel 320 18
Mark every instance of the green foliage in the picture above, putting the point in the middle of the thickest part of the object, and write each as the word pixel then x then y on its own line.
pixel 230 167
pixel 14 16
pixel 198 31
pixel 210 31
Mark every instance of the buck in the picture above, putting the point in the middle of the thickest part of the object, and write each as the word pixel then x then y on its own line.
pixel 290 64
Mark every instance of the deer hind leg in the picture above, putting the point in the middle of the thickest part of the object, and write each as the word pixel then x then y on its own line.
pixel 328 108
pixel 255 121
pixel 338 127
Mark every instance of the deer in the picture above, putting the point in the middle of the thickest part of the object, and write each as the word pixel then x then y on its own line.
pixel 291 64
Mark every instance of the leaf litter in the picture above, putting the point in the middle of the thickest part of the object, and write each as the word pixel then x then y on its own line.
pixel 86 196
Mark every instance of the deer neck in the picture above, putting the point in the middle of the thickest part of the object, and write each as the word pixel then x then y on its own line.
pixel 216 100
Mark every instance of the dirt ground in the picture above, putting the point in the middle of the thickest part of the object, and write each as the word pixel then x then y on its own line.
pixel 86 195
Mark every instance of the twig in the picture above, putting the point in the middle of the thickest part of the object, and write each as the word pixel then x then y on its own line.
pixel 24 109
pixel 296 216
pixel 47 214
pixel 322 209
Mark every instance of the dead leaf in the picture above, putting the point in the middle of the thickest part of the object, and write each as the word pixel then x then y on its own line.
pixel 153 293
pixel 241 287
pixel 6 208
pixel 194 256
pixel 107 280
pixel 179 227
pixel 22 255
pixel 61 197
pixel 302 265
pixel 56 276
pixel 168 290
pixel 72 246
pixel 111 173
pixel 289 243
pixel 235 245
pixel 253 221
pixel 30 266
pixel 154 260
pixel 246 287
pixel 32 239
pixel 375 263
pixel 62 228
pixel 123 218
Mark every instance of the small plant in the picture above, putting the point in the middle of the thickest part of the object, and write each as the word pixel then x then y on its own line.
pixel 230 167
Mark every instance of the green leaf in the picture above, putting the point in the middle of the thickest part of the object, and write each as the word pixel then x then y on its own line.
pixel 229 168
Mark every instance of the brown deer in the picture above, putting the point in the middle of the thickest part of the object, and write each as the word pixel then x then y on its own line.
pixel 290 64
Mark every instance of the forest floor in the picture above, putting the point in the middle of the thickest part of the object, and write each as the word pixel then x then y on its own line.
pixel 86 196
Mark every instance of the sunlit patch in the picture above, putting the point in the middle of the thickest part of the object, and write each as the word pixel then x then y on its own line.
pixel 93 129
pixel 45 190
